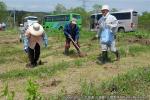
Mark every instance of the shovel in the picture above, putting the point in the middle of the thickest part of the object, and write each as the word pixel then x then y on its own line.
pixel 81 54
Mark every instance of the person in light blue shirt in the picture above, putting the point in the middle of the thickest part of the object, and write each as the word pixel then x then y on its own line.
pixel 33 39
pixel 108 21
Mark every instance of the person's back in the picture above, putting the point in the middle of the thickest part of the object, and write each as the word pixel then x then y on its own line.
pixel 33 38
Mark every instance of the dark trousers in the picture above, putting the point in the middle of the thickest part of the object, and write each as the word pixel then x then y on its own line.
pixel 67 45
pixel 34 54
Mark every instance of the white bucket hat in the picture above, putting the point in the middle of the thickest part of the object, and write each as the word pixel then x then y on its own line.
pixel 105 7
pixel 36 29
pixel 73 21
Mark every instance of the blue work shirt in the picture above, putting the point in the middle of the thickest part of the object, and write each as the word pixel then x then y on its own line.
pixel 74 32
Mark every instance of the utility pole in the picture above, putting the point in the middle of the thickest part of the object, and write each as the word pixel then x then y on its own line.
pixel 14 17
pixel 84 4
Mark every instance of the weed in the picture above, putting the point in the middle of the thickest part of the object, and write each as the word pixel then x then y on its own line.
pixel 9 95
pixel 88 89
pixel 40 72
pixel 32 90
pixel 134 82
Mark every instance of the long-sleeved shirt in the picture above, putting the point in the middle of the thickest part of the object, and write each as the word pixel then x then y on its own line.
pixel 30 40
pixel 73 32
pixel 108 21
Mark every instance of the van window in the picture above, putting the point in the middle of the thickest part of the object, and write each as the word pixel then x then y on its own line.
pixel 122 16
pixel 99 16
pixel 134 13
pixel 33 19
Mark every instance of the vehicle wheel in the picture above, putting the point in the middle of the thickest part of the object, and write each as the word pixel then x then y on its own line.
pixel 121 30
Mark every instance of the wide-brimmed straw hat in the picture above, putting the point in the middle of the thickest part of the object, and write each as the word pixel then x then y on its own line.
pixel 36 29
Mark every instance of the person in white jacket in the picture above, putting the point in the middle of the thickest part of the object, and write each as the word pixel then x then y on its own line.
pixel 108 21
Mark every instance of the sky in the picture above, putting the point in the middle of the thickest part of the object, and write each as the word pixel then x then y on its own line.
pixel 49 5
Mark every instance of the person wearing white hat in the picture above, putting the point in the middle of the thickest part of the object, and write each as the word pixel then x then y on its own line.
pixel 71 30
pixel 34 36
pixel 109 22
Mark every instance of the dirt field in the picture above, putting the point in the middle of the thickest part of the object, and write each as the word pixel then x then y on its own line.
pixel 69 79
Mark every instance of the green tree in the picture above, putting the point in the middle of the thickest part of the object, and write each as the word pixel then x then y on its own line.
pixel 3 11
pixel 85 15
pixel 113 10
pixel 59 9
pixel 144 20
pixel 97 8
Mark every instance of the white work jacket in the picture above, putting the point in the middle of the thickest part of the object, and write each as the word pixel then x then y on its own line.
pixel 108 21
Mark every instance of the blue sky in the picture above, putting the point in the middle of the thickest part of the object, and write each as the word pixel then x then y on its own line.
pixel 49 5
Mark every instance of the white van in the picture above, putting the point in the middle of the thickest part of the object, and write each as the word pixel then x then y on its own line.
pixel 127 20
pixel 29 20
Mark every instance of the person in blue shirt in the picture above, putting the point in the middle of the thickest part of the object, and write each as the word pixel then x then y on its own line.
pixel 71 30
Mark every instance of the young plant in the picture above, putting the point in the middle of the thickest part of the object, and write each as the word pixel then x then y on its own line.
pixel 32 90
pixel 8 95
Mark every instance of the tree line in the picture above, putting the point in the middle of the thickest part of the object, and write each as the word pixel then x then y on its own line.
pixel 7 15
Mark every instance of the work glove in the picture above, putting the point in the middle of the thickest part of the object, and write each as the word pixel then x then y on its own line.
pixel 26 49
pixel 46 44
pixel 75 42
pixel 45 40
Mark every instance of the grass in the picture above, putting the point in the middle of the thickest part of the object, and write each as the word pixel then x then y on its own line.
pixel 136 79
pixel 135 82
pixel 39 72
pixel 141 33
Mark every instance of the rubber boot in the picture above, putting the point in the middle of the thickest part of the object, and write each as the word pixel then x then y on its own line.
pixel 104 57
pixel 66 51
pixel 117 55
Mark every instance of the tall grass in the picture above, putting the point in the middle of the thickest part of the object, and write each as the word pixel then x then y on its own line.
pixel 32 91
pixel 39 72
pixel 6 93
pixel 136 82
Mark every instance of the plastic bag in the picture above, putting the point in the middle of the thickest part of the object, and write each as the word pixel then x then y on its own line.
pixel 106 36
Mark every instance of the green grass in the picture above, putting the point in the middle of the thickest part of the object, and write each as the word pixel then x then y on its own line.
pixel 135 82
pixel 39 72
pixel 141 33
pixel 133 49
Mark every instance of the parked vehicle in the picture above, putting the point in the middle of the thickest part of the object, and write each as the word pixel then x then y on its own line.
pixel 127 20
pixel 60 20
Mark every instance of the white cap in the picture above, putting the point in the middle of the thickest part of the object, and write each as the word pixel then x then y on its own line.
pixel 105 7
pixel 74 21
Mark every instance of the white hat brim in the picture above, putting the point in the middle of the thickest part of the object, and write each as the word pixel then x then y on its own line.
pixel 74 22
pixel 36 32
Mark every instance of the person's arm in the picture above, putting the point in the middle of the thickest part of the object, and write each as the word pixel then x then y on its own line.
pixel 100 28
pixel 66 31
pixel 77 34
pixel 26 37
pixel 113 23
pixel 45 39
